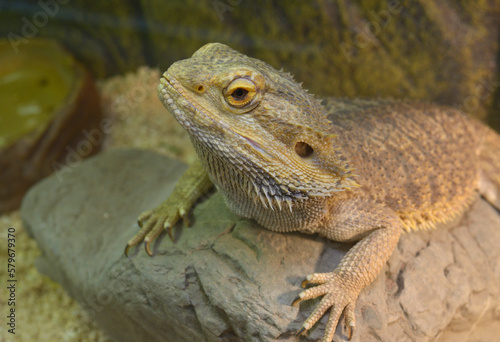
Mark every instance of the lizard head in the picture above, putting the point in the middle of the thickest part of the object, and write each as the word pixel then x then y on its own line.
pixel 244 115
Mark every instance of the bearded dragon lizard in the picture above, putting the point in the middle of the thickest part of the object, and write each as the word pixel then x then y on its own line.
pixel 348 170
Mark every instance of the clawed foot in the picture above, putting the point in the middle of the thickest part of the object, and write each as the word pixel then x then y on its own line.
pixel 153 222
pixel 340 295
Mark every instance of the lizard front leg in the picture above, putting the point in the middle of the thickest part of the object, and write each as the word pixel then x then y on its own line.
pixel 193 184
pixel 378 229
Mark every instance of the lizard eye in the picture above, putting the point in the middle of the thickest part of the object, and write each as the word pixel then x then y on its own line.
pixel 240 92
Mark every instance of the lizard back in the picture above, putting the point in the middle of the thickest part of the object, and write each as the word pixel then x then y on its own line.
pixel 420 160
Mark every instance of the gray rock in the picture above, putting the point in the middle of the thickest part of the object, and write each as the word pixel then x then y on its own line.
pixel 227 279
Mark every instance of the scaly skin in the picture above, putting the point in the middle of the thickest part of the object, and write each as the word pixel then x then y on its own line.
pixel 349 170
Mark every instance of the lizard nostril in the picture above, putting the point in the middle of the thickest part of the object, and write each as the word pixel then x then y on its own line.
pixel 200 89
pixel 303 149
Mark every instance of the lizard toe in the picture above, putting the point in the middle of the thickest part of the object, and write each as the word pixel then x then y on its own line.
pixel 139 237
pixel 143 217
pixel 185 218
pixel 339 296
pixel 331 325
pixel 317 278
pixel 314 292
pixel 168 227
pixel 154 232
pixel 318 312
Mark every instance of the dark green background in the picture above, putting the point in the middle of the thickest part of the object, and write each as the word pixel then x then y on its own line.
pixel 446 51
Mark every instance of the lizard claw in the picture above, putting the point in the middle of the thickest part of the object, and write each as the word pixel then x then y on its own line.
pixel 350 320
pixel 148 249
pixel 339 296
pixel 300 331
pixel 185 217
pixel 350 332
pixel 296 301
pixel 169 232
pixel 127 248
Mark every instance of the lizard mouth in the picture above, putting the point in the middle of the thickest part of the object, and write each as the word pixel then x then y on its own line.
pixel 180 103
pixel 173 99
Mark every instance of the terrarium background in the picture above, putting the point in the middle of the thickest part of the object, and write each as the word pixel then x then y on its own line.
pixel 446 52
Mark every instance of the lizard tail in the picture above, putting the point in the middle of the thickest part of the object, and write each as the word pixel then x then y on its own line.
pixel 489 163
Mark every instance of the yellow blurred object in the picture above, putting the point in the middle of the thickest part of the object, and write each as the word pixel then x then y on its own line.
pixel 48 105
pixel 33 85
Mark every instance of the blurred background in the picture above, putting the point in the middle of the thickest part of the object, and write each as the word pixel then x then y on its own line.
pixel 445 51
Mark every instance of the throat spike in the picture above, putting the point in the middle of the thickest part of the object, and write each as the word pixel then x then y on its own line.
pixel 278 203
pixel 269 199
pixel 263 201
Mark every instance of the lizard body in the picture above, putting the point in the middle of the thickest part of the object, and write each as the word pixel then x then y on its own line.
pixel 349 170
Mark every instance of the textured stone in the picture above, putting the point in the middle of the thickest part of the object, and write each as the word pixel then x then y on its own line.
pixel 226 279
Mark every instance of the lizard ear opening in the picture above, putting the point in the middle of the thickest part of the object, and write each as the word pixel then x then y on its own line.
pixel 303 149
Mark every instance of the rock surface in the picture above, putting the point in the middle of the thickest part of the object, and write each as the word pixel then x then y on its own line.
pixel 226 279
